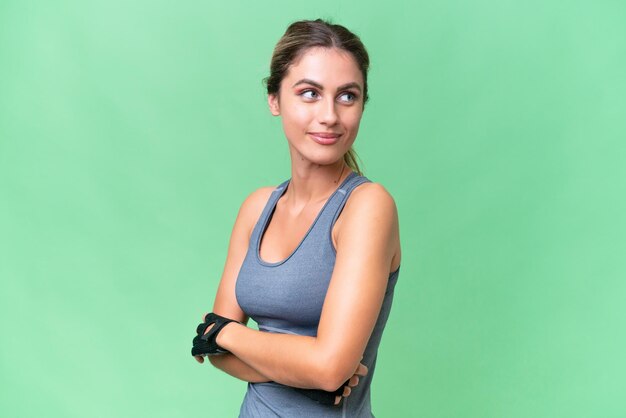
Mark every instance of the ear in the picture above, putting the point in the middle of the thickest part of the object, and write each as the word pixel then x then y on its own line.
pixel 272 101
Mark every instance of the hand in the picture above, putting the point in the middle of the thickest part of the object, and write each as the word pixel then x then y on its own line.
pixel 361 370
pixel 200 359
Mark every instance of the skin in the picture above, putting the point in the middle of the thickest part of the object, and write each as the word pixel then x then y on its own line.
pixel 320 99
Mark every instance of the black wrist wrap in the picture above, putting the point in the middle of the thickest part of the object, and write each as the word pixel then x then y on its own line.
pixel 206 344
pixel 322 396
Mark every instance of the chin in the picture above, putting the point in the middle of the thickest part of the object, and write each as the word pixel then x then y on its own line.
pixel 324 158
pixel 318 154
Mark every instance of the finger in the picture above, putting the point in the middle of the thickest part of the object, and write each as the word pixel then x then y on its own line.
pixel 337 400
pixel 361 370
pixel 354 380
pixel 346 391
pixel 199 359
pixel 208 329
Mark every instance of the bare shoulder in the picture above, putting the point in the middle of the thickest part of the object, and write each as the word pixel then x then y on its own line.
pixel 369 205
pixel 255 201
pixel 372 198
pixel 370 212
pixel 253 205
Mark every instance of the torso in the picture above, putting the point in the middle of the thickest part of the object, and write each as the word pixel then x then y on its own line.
pixel 282 285
pixel 286 230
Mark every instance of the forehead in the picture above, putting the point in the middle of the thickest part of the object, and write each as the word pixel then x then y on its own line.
pixel 326 66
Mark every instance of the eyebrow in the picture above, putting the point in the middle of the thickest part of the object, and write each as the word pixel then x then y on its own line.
pixel 319 86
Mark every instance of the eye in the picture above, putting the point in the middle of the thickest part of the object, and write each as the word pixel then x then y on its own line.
pixel 347 97
pixel 309 94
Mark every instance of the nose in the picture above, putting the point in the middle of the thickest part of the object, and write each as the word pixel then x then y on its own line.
pixel 327 112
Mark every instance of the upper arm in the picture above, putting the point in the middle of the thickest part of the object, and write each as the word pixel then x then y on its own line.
pixel 366 245
pixel 225 300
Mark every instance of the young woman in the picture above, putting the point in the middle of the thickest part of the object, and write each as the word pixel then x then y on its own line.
pixel 315 260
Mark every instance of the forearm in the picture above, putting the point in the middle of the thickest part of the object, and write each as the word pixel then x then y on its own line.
pixel 232 365
pixel 293 360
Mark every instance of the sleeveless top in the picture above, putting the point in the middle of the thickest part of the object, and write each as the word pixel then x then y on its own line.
pixel 287 297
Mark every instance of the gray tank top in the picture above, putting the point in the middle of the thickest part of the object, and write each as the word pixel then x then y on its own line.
pixel 287 297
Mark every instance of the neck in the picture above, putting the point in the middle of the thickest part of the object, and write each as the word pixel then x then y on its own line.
pixel 314 183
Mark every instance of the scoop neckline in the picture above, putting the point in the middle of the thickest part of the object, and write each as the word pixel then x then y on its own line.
pixel 267 219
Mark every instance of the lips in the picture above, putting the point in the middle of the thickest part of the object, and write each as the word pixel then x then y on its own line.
pixel 325 138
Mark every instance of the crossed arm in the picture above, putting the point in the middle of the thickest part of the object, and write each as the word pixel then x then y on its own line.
pixel 366 246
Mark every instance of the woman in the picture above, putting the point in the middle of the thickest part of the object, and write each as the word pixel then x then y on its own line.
pixel 315 260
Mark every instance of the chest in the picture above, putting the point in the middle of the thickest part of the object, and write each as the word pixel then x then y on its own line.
pixel 284 288
pixel 288 297
pixel 285 232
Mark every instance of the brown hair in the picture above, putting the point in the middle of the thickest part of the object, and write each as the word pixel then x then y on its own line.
pixel 305 34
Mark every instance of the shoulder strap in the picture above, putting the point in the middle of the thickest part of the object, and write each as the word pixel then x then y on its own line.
pixel 271 202
pixel 345 192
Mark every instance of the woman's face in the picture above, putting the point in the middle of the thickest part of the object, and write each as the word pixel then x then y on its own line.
pixel 321 103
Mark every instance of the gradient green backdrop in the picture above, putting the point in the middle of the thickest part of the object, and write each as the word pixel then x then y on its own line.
pixel 130 133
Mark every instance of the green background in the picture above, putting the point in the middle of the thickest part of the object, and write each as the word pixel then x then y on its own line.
pixel 130 133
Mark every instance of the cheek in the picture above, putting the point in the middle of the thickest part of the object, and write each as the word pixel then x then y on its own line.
pixel 353 120
pixel 296 118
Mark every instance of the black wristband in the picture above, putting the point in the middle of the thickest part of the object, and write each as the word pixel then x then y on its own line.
pixel 206 344
pixel 323 397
